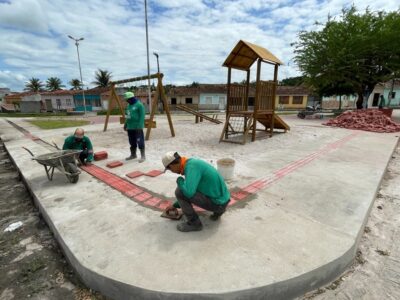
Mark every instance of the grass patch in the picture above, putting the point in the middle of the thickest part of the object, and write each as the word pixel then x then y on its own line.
pixel 54 124
pixel 23 115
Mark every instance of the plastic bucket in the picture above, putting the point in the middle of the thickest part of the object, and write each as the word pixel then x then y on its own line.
pixel 226 167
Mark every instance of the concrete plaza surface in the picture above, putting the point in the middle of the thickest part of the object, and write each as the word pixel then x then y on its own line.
pixel 298 232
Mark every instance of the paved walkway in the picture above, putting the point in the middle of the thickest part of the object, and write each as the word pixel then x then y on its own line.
pixel 295 235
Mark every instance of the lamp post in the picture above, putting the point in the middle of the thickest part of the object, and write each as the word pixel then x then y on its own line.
pixel 158 65
pixel 80 71
pixel 148 57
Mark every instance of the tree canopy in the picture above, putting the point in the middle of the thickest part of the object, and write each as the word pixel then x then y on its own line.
pixel 54 84
pixel 75 84
pixel 33 85
pixel 103 78
pixel 351 54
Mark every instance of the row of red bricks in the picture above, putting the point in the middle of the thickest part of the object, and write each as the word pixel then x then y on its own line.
pixel 147 198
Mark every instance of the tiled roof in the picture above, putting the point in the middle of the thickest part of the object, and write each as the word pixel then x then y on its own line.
pixel 61 92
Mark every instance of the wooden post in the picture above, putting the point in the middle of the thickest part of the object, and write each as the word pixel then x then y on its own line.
pixel 256 100
pixel 113 97
pixel 228 94
pixel 271 130
pixel 247 100
pixel 165 102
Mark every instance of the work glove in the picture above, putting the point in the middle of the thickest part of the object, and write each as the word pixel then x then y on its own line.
pixel 180 180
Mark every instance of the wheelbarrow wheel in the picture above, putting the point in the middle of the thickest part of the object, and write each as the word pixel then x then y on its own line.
pixel 73 169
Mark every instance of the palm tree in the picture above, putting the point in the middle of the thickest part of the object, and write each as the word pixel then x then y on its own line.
pixel 54 84
pixel 103 78
pixel 76 84
pixel 33 85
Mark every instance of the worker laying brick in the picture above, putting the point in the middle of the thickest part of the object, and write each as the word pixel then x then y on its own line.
pixel 201 185
pixel 78 141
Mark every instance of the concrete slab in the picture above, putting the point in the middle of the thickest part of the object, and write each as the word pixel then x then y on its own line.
pixel 299 232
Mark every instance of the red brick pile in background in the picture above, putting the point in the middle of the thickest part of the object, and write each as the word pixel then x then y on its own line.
pixel 365 119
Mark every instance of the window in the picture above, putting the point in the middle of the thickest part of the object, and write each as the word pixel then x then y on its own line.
pixel 68 102
pixel 393 95
pixel 188 100
pixel 58 101
pixel 173 101
pixel 208 100
pixel 283 99
pixel 297 100
pixel 222 99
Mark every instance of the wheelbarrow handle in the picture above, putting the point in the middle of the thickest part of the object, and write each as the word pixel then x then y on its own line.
pixel 28 151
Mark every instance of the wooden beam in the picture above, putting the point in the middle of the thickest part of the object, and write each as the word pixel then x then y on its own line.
pixel 253 137
pixel 156 75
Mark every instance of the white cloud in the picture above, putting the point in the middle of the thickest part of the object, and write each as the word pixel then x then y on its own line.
pixel 192 37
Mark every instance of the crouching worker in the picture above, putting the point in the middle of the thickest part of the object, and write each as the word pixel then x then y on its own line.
pixel 78 141
pixel 201 185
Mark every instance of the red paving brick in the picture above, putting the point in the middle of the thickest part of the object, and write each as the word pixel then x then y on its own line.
pixel 100 155
pixel 153 202
pixel 133 191
pixel 240 195
pixel 164 204
pixel 154 173
pixel 134 174
pixel 114 164
pixel 142 197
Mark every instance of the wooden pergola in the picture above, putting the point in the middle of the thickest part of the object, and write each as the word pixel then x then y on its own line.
pixel 242 57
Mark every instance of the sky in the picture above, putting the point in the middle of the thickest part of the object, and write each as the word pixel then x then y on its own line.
pixel 192 37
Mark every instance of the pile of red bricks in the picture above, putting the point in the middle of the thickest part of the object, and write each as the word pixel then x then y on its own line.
pixel 365 119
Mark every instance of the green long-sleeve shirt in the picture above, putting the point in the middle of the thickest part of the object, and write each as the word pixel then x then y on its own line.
pixel 204 178
pixel 134 115
pixel 71 143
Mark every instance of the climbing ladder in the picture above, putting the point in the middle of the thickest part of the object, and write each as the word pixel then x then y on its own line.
pixel 198 114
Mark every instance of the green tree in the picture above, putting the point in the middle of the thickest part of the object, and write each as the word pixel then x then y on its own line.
pixel 54 84
pixel 33 85
pixel 103 78
pixel 292 81
pixel 75 84
pixel 353 53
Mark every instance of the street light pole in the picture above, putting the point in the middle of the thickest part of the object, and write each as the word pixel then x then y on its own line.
pixel 80 70
pixel 148 57
pixel 158 65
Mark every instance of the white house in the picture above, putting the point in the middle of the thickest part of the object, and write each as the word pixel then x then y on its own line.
pixel 59 100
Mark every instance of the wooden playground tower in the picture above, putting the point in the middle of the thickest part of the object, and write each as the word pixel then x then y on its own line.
pixel 159 95
pixel 240 119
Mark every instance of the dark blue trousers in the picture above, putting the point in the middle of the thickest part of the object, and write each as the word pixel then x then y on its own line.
pixel 136 138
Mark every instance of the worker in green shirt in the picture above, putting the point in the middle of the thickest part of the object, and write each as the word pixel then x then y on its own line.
pixel 134 124
pixel 201 185
pixel 78 141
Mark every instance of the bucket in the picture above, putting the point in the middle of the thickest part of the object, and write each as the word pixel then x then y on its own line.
pixel 226 167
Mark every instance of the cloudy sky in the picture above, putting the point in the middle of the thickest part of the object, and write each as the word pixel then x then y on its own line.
pixel 192 37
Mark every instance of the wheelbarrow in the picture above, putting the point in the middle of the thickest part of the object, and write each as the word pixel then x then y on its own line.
pixel 63 160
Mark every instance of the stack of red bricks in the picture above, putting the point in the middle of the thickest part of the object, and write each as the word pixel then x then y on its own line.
pixel 365 119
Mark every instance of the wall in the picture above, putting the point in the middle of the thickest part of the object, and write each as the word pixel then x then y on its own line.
pixel 212 101
pixel 64 103
pixel 181 99
pixel 291 104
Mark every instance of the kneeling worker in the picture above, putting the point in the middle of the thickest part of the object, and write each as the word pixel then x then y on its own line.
pixel 201 185
pixel 78 141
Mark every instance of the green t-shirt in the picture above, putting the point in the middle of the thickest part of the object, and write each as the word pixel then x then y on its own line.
pixel 134 116
pixel 204 178
pixel 71 144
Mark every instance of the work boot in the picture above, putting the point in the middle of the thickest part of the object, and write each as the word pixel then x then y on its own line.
pixel 190 226
pixel 142 155
pixel 133 154
pixel 215 216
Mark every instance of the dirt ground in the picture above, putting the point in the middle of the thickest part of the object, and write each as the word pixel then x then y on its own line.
pixel 376 271
pixel 32 265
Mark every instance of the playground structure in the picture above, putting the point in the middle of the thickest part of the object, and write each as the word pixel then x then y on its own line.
pixel 199 116
pixel 240 119
pixel 159 95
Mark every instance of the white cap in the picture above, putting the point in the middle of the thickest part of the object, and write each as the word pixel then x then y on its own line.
pixel 168 158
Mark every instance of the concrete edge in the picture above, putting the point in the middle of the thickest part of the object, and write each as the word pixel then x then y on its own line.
pixel 287 289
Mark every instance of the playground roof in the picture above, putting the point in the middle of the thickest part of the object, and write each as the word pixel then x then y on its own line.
pixel 245 54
